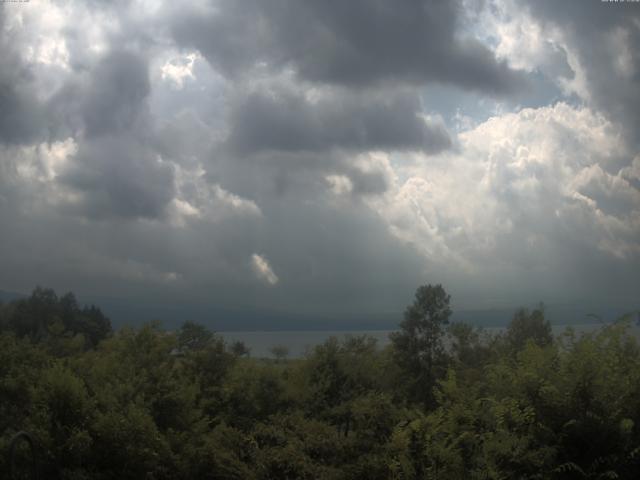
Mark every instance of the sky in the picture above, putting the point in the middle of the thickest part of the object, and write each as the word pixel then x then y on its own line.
pixel 321 157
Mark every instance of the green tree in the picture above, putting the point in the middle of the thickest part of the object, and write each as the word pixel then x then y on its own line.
pixel 252 392
pixel 418 346
pixel 194 336
pixel 44 316
pixel 527 326
pixel 280 352
pixel 32 315
pixel 240 349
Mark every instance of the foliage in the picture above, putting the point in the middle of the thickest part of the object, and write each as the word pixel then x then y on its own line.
pixel 528 326
pixel 418 345
pixel 60 322
pixel 146 403
pixel 280 352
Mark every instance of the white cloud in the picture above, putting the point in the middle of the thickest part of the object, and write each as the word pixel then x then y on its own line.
pixel 198 199
pixel 263 270
pixel 545 178
pixel 56 155
pixel 178 70
pixel 339 184
pixel 529 45
pixel 30 173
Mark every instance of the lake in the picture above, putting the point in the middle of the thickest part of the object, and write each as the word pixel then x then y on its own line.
pixel 298 342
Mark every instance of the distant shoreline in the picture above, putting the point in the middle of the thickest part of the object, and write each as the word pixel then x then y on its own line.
pixel 298 341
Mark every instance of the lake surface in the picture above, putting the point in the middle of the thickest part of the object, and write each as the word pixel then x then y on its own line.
pixel 298 342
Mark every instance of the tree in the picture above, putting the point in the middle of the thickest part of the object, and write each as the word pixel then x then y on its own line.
pixel 194 336
pixel 46 317
pixel 93 324
pixel 527 326
pixel 32 315
pixel 468 350
pixel 418 345
pixel 280 352
pixel 240 349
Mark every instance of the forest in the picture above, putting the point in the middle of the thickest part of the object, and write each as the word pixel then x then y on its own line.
pixel 443 400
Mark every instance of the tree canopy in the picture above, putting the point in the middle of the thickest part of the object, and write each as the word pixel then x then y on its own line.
pixel 148 403
pixel 418 345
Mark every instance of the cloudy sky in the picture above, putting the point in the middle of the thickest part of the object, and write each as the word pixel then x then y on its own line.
pixel 321 156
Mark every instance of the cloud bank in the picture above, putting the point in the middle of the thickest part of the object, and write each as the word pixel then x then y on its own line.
pixel 321 157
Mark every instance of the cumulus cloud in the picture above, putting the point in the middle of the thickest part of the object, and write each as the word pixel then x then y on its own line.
pixel 119 176
pixel 538 192
pixel 197 198
pixel 285 121
pixel 152 150
pixel 179 70
pixel 586 47
pixel 359 43
pixel 20 111
pixel 117 89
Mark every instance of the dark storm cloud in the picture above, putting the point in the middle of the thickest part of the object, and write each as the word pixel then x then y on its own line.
pixel 605 36
pixel 286 121
pixel 108 96
pixel 118 88
pixel 116 169
pixel 368 183
pixel 355 43
pixel 120 177
pixel 21 117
